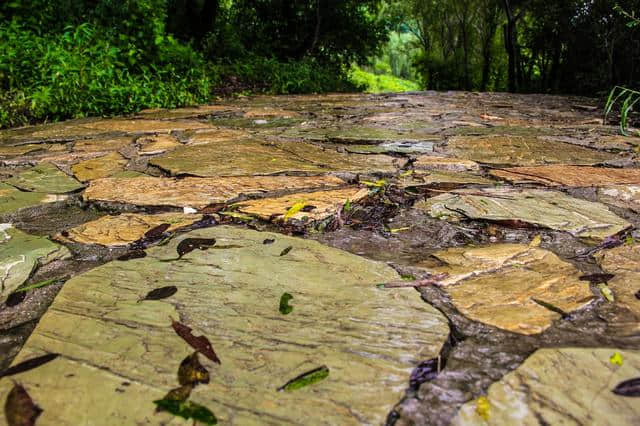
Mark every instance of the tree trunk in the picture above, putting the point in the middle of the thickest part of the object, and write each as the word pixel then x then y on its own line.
pixel 510 45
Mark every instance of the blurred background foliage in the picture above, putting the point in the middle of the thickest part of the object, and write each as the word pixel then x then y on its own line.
pixel 71 58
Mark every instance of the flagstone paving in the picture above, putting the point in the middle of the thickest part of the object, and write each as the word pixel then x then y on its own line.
pixel 418 259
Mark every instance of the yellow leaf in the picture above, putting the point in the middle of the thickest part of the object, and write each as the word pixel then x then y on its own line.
pixel 407 173
pixel 396 230
pixel 536 241
pixel 606 292
pixel 483 407
pixel 616 359
pixel 378 184
pixel 294 209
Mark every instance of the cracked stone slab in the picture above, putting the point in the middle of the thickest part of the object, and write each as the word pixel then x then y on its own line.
pixel 217 135
pixel 13 200
pixel 625 196
pixel 46 178
pixel 427 162
pixel 360 135
pixel 102 145
pixel 197 192
pixel 623 315
pixel 156 144
pixel 20 253
pixel 317 205
pixel 523 151
pixel 496 285
pixel 569 386
pixel 548 209
pixel 397 147
pixel 7 151
pixel 123 229
pixel 566 175
pixel 188 112
pixel 442 179
pixel 100 167
pixel 250 157
pixel 145 126
pixel 270 112
pixel 369 339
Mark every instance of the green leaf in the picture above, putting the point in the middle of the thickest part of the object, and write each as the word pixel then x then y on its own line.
pixel 187 410
pixel 285 308
pixel 306 379
pixel 38 285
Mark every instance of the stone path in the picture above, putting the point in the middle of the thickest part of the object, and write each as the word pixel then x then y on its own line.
pixel 427 258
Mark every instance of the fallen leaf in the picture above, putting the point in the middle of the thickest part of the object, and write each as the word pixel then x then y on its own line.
pixel 29 364
pixel 377 184
pixel 629 387
pixel 398 230
pixel 483 407
pixel 15 298
pixel 190 244
pixel 160 293
pixel 199 343
pixel 537 240
pixel 294 209
pixel 134 254
pixel 191 372
pixel 187 410
pixel 285 251
pixel 306 379
pixel 606 292
pixel 597 278
pixel 616 359
pixel 269 241
pixel 19 409
pixel 157 231
pixel 425 371
pixel 285 308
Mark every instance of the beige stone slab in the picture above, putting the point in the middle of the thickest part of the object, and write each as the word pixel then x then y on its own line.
pixel 441 179
pixel 145 126
pixel 157 144
pixel 566 175
pixel 623 316
pixel 270 112
pixel 187 112
pixel 549 209
pixel 428 162
pixel 625 196
pixel 566 386
pixel 217 135
pixel 102 145
pixel 100 167
pixel 370 339
pixel 125 228
pixel 317 205
pixel 197 192
pixel 22 149
pixel 524 151
pixel 496 285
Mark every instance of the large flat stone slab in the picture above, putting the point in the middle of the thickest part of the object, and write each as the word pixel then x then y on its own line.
pixel 566 175
pixel 197 192
pixel 499 285
pixel 569 386
pixel 548 209
pixel 45 178
pixel 308 206
pixel 523 151
pixel 623 315
pixel 13 200
pixel 20 253
pixel 250 157
pixel 120 230
pixel 368 338
pixel 100 167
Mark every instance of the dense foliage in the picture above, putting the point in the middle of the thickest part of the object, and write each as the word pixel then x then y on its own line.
pixel 72 58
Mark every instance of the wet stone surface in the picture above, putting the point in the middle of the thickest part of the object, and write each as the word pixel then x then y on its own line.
pixel 418 259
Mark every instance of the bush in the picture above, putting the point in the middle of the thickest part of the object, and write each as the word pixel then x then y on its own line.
pixel 82 72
